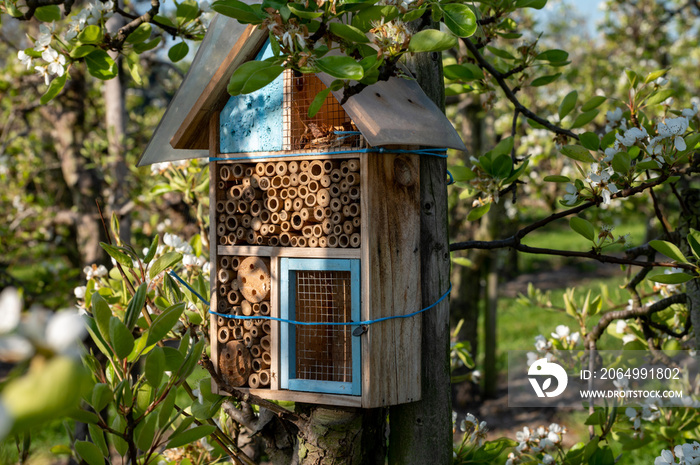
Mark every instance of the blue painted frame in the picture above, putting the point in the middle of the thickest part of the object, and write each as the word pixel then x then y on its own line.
pixel 288 379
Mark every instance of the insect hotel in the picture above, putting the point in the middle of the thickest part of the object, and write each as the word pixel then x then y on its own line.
pixel 314 228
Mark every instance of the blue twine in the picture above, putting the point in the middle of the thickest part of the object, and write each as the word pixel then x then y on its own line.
pixel 310 323
pixel 452 179
pixel 442 153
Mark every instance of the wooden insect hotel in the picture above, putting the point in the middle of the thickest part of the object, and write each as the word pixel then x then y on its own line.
pixel 309 224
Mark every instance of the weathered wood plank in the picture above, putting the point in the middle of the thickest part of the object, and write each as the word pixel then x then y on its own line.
pixel 213 133
pixel 300 252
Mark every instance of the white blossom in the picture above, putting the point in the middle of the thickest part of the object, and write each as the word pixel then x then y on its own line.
pixel 631 136
pixel 666 458
pixel 64 330
pixel 571 195
pixel 80 292
pixel 541 343
pixel 43 71
pixel 561 332
pixel 25 59
pixel 55 60
pixel 620 326
pixel 691 112
pixel 44 39
pixel 10 309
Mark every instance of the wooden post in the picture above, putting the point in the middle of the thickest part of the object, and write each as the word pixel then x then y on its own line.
pixel 421 432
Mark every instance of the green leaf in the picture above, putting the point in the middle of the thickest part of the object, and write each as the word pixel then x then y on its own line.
pixel 462 173
pixel 669 249
pixel 694 242
pixel 173 359
pixel 590 140
pixel 252 76
pixel 536 4
pixel 155 366
pixel 413 15
pixel 431 40
pixel 164 262
pixel 582 227
pixel 101 396
pixel 151 251
pixel 90 35
pixel 54 89
pixel 302 12
pixel 568 104
pixel 118 255
pixel 119 424
pixel 146 46
pixel 578 153
pixel 348 32
pixel 89 452
pixel 178 51
pixel 503 147
pixel 462 261
pixel 584 118
pixel 463 72
pixel 502 166
pixel 553 56
pixel 140 34
pixel 237 10
pixel 48 14
pixel 556 178
pixel 341 67
pixel 673 278
pixel 133 310
pixel 164 323
pixel 190 435
pixel 659 97
pixel 317 102
pixel 98 438
pixel 460 19
pixel 166 408
pixel 102 314
pixel 544 80
pixel 500 53
pixel 122 340
pixel 186 11
pixel 592 103
pixel 621 162
pixel 81 51
pixel 654 75
pixel 101 65
pixel 145 432
pixel 61 450
pixel 364 18
pixel 478 212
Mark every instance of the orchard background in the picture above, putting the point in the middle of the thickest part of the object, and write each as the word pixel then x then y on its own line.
pixel 573 223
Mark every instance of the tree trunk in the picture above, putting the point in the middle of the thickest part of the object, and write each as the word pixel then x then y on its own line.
pixel 690 218
pixel 421 432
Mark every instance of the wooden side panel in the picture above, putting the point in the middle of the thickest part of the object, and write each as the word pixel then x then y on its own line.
pixel 213 255
pixel 392 238
pixel 306 397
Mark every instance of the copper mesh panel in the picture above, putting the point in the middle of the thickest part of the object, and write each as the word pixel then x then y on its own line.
pixel 323 353
pixel 320 132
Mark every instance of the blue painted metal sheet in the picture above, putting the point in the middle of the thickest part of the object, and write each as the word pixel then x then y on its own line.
pixel 253 122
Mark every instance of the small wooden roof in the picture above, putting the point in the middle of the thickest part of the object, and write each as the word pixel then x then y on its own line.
pixel 393 112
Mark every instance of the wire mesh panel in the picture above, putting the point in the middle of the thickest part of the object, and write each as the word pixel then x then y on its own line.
pixel 330 127
pixel 323 353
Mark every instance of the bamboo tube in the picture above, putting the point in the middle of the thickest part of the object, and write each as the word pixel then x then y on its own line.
pixel 250 194
pixel 273 241
pixel 264 308
pixel 281 168
pixel 220 321
pixel 225 262
pixel 222 218
pixel 302 242
pixel 235 263
pixel 286 181
pixel 315 169
pixel 354 165
pixel 264 230
pixel 323 197
pixel 231 223
pixel 255 350
pixel 285 226
pixel 302 192
pixel 314 186
pixel 273 204
pixel 348 228
pixel 284 239
pixel 224 173
pixel 293 167
pixel 235 192
pixel 256 207
pixel 355 240
pixel 224 275
pixel 338 229
pixel 327 226
pixel 289 204
pixel 255 332
pixel 267 359
pixel 337 218
pixel 223 240
pixel 246 308
pixel 267 328
pixel 231 323
pixel 307 231
pixel 293 180
pixel 317 230
pixel 221 185
pixel 307 214
pixel 220 206
pixel 284 194
pixel 357 221
pixel 220 229
pixel 254 279
pixel 352 210
pixel 284 216
pixel 249 171
pixel 292 192
pixel 336 176
pixel 221 306
pixel 327 166
pixel 254 381
pixel 245 182
pixel 240 233
pixel 294 241
pixel 243 207
pixel 344 167
pixel 260 169
pixel 303 178
pixel 323 242
pixel 256 310
pixel 264 378
pixel 231 206
pixel 354 193
pixel 223 335
pixel 319 214
pixel 274 218
pixel 238 333
pixel 271 192
pixel 304 166
pixel 233 297
pixel 312 242
pixel 248 339
pixel 234 285
pixel 264 183
pixel 297 221
pixel 248 325
pixel 325 181
pixel 274 228
pixel 298 204
pixel 256 224
pixel 332 241
pixel 310 200
pixel 353 179
pixel 257 364
pixel 334 190
pixel 245 221
pixel 276 182
pixel 270 169
pixel 344 186
pixel 344 240
pixel 255 181
pixel 231 238
pixel 327 212
pixel 265 216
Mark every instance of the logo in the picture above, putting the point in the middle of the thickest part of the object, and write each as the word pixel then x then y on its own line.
pixel 542 367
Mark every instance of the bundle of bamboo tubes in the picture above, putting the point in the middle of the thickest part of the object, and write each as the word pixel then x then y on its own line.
pixel 244 344
pixel 309 203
